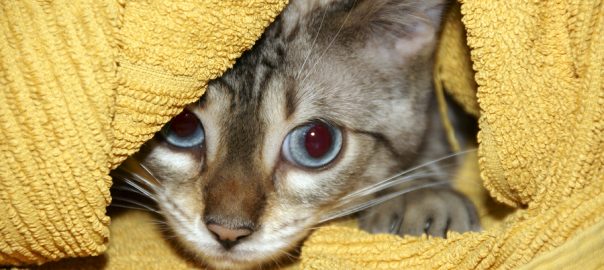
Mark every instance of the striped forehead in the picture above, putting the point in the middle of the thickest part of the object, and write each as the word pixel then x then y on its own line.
pixel 249 107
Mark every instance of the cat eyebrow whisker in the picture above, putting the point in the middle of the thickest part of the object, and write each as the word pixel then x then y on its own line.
pixel 330 44
pixel 314 42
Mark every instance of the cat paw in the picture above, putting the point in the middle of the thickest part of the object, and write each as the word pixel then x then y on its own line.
pixel 432 211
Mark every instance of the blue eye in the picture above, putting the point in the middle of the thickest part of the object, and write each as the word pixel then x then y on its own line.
pixel 184 130
pixel 312 145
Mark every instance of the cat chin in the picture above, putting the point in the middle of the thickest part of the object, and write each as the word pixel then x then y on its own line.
pixel 228 263
pixel 256 260
pixel 217 258
pixel 249 255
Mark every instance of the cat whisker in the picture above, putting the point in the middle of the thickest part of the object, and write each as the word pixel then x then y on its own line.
pixel 388 183
pixel 342 209
pixel 288 254
pixel 400 178
pixel 140 173
pixel 134 202
pixel 158 222
pixel 161 225
pixel 129 188
pixel 134 180
pixel 176 212
pixel 329 45
pixel 337 213
pixel 126 188
pixel 126 206
pixel 278 258
pixel 274 260
pixel 314 42
pixel 141 190
pixel 131 204
pixel 313 228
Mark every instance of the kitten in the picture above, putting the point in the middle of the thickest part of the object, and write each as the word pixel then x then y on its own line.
pixel 335 96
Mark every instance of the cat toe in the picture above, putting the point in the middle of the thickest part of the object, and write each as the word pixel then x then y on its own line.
pixel 433 212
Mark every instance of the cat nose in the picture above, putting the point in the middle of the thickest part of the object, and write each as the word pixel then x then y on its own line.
pixel 228 237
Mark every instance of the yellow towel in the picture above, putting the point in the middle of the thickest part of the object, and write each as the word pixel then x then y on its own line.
pixel 84 83
pixel 539 73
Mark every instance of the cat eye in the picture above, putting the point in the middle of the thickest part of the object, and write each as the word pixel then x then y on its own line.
pixel 312 145
pixel 184 130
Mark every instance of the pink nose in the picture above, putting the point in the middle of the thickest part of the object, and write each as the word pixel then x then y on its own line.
pixel 228 237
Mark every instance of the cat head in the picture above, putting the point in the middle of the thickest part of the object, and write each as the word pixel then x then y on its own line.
pixel 333 97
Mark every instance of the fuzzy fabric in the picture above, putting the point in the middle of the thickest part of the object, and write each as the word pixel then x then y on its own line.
pixel 84 84
pixel 539 71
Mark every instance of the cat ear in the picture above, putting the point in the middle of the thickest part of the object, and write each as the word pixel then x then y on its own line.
pixel 410 27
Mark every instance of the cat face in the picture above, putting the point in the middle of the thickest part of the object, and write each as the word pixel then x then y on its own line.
pixel 333 97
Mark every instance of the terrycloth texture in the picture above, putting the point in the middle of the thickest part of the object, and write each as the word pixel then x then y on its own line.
pixel 84 83
pixel 540 94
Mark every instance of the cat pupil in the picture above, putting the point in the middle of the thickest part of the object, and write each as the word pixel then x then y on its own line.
pixel 184 131
pixel 184 124
pixel 317 140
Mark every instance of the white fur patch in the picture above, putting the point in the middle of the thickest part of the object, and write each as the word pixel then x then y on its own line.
pixel 302 181
pixel 182 164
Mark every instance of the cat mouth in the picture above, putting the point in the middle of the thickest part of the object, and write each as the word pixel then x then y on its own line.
pixel 273 243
